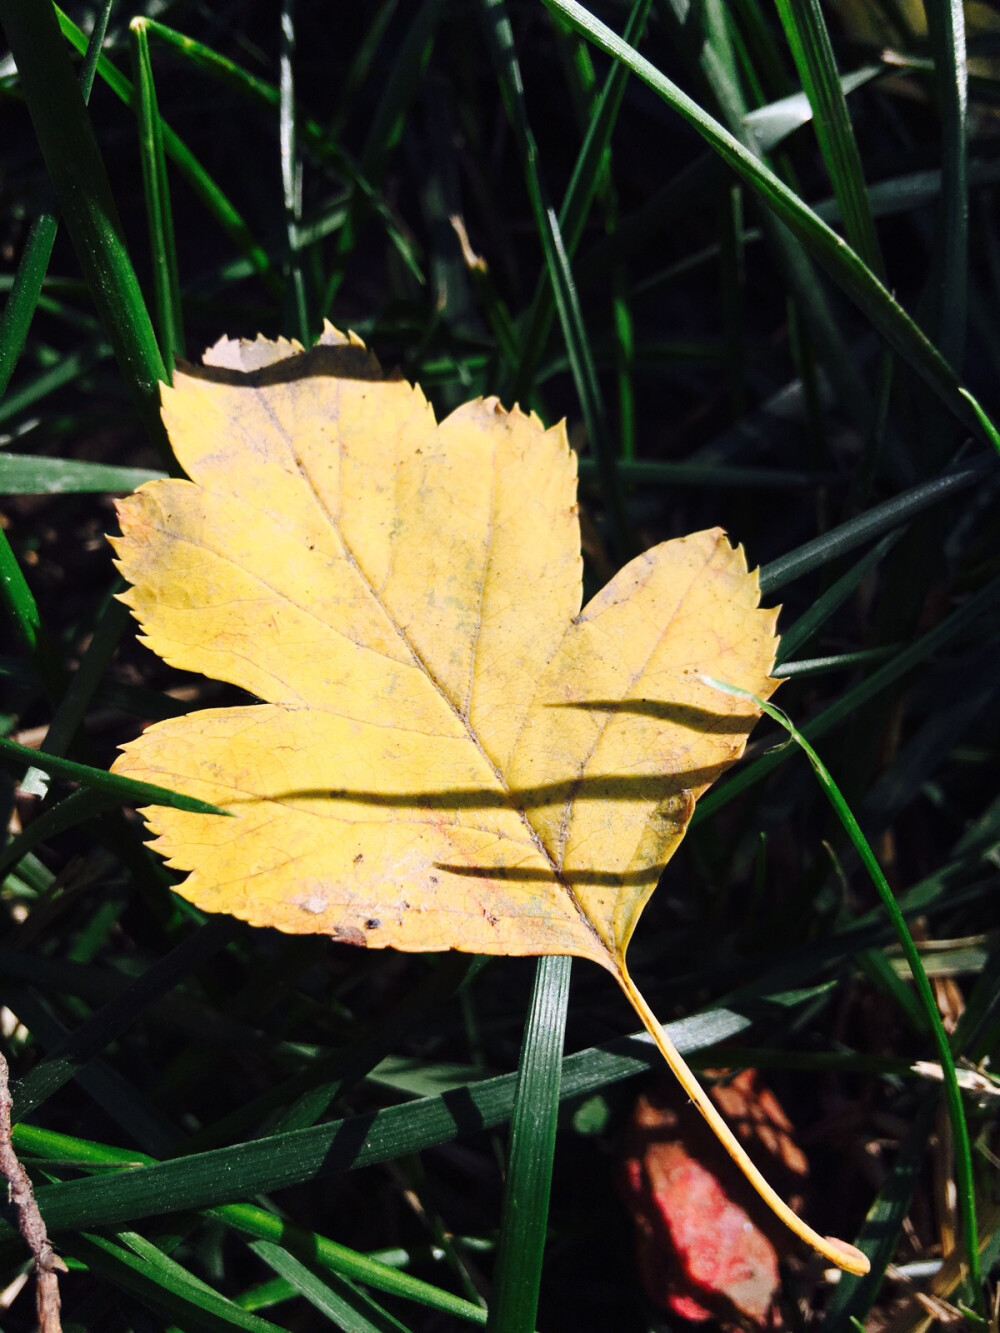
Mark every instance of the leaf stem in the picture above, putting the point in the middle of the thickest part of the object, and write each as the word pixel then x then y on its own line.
pixel 953 1095
pixel 838 1252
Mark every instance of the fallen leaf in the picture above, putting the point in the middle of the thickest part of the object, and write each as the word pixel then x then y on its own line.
pixel 451 755
pixel 706 1247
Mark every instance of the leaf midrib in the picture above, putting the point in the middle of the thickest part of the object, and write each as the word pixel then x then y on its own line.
pixel 435 684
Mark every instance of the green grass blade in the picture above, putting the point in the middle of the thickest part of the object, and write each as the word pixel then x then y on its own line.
pixel 18 597
pixel 81 688
pixel 773 123
pixel 809 40
pixel 648 472
pixel 27 287
pixel 125 789
pixel 152 1276
pixel 872 523
pixel 989 429
pixel 348 1308
pixel 111 625
pixel 624 327
pixel 73 158
pixel 19 602
pixel 710 46
pixel 323 142
pixel 216 202
pixel 27 474
pixel 839 260
pixel 880 679
pixel 252 1220
pixel 139 1120
pixel 386 127
pixel 156 188
pixel 574 328
pixel 814 666
pixel 114 1018
pixel 291 174
pixel 585 379
pixel 731 293
pixel 334 1258
pixel 834 597
pixel 950 272
pixel 362 62
pixel 576 205
pixel 518 1271
pixel 71 368
pixel 23 300
pixel 74 809
pixel 208 1179
pixel 928 1003
pixel 880 1231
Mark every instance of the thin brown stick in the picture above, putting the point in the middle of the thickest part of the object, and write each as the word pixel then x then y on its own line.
pixel 47 1263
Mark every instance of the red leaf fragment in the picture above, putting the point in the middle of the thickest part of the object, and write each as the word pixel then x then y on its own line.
pixel 706 1246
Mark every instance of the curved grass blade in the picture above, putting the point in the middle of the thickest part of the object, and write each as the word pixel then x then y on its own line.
pixel 74 162
pixel 19 601
pixel 990 431
pixel 523 1225
pixel 959 620
pixel 931 1013
pixel 840 261
pixel 18 597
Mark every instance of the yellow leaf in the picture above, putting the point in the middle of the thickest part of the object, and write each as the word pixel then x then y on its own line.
pixel 451 754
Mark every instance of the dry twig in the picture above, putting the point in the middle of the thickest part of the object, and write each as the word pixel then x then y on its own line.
pixel 47 1263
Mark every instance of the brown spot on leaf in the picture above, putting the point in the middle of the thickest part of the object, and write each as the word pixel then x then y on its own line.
pixel 350 935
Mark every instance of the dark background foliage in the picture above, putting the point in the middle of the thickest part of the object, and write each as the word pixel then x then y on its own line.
pixel 710 373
